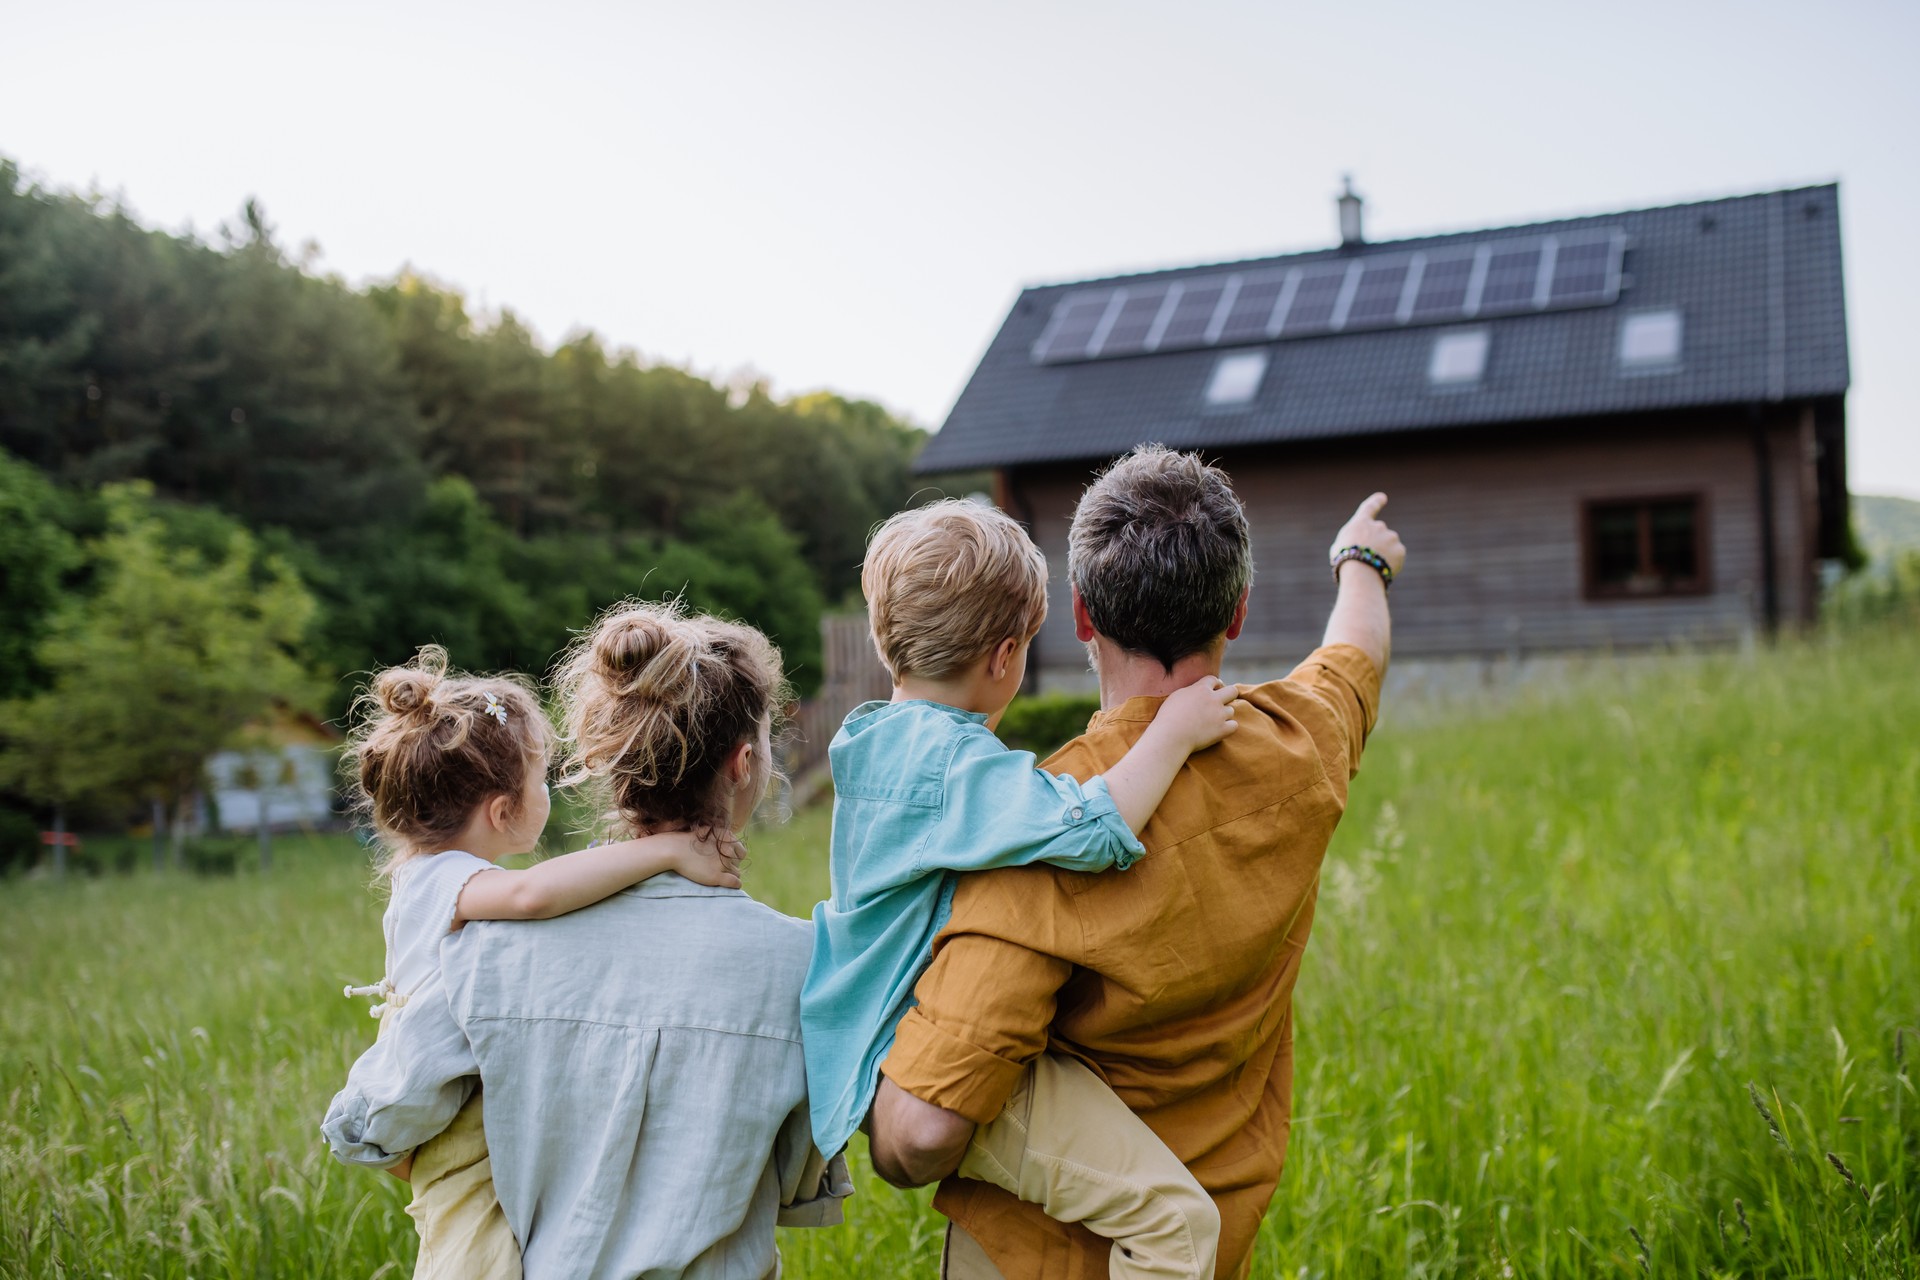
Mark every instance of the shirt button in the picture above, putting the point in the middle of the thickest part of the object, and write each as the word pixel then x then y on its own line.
pixel 1076 813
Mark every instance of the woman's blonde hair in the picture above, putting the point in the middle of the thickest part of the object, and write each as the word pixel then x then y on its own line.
pixel 653 703
pixel 429 745
pixel 947 582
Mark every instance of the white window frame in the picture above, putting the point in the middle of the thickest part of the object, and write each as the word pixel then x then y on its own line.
pixel 1236 378
pixel 1652 341
pixel 1458 357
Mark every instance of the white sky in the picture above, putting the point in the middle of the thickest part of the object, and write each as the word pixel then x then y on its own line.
pixel 849 195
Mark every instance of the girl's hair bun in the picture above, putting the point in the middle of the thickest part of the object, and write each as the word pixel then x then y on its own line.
pixel 429 743
pixel 406 691
pixel 649 650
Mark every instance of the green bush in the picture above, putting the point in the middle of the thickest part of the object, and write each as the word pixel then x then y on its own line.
pixel 218 855
pixel 1045 722
pixel 100 855
pixel 19 838
pixel 1877 594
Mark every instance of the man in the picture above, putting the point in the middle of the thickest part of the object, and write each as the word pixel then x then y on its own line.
pixel 646 1108
pixel 1173 981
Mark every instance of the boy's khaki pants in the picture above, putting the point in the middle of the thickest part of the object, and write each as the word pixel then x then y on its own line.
pixel 463 1230
pixel 1068 1145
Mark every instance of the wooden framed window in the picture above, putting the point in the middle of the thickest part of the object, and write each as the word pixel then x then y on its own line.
pixel 1640 547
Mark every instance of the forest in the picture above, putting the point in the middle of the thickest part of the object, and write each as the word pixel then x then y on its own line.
pixel 230 481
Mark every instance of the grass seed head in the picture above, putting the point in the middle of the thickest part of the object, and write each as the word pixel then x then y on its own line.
pixel 1646 1258
pixel 1760 1105
pixel 1740 1210
pixel 1846 1173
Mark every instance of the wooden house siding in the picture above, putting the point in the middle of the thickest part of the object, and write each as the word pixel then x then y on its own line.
pixel 1493 520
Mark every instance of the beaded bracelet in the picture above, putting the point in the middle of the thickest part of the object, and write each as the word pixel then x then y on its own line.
pixel 1366 556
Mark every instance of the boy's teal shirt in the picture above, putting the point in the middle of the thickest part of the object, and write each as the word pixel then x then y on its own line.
pixel 921 791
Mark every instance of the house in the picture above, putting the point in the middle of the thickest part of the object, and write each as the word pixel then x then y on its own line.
pixel 284 775
pixel 1616 432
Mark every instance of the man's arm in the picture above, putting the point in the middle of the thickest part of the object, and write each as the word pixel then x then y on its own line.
pixel 1360 616
pixel 983 1013
pixel 914 1142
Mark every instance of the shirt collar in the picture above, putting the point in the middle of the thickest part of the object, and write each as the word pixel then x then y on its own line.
pixel 671 884
pixel 1141 708
pixel 883 709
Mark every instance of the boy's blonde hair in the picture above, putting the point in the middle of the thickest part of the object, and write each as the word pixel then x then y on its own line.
pixel 947 582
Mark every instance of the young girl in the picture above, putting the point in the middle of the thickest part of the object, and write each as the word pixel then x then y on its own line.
pixel 451 770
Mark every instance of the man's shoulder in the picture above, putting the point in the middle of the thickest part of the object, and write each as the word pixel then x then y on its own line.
pixel 1097 749
pixel 1333 672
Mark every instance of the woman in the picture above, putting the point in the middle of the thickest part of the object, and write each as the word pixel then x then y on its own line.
pixel 646 1100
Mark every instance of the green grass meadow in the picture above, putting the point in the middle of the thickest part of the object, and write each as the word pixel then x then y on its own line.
pixel 1620 980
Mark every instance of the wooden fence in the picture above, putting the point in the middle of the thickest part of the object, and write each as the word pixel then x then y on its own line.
pixel 853 676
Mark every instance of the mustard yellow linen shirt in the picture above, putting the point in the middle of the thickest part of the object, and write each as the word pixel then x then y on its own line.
pixel 1173 982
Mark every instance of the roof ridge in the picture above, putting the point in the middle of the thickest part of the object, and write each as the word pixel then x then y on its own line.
pixel 1334 251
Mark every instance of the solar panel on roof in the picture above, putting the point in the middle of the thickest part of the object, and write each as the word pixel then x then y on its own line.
pixel 1585 272
pixel 1127 335
pixel 1314 300
pixel 1510 276
pixel 1252 308
pixel 1443 287
pixel 1071 328
pixel 1193 313
pixel 1513 275
pixel 1376 301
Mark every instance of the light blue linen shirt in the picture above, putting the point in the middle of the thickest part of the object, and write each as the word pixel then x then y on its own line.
pixel 921 791
pixel 646 1095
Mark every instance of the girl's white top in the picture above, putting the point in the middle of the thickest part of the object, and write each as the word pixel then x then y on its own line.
pixel 426 894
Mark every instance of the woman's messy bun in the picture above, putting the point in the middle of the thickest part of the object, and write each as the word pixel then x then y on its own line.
pixel 648 652
pixel 654 701
pixel 429 745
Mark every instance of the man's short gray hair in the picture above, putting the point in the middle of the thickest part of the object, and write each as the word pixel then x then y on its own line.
pixel 1159 553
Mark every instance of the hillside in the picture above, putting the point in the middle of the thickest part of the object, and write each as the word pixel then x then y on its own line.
pixel 1887 526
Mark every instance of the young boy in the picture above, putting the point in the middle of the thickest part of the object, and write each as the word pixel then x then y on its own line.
pixel 924 790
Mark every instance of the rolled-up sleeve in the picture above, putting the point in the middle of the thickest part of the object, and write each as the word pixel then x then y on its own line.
pixel 812 1187
pixel 987 1001
pixel 404 1089
pixel 999 809
pixel 1345 681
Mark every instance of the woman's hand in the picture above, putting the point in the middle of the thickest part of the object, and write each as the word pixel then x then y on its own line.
pixel 708 856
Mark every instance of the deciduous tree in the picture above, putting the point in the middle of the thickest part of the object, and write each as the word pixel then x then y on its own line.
pixel 170 659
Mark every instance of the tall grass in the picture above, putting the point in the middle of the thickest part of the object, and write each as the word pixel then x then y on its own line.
pixel 1609 983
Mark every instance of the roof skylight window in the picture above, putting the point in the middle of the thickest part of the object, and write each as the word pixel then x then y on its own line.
pixel 1236 377
pixel 1458 359
pixel 1650 341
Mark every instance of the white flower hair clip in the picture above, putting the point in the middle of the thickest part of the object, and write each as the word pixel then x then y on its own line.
pixel 494 709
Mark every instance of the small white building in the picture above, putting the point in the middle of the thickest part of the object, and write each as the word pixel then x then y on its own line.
pixel 287 777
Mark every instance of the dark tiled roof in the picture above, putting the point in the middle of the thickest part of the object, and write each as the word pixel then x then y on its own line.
pixel 1757 280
